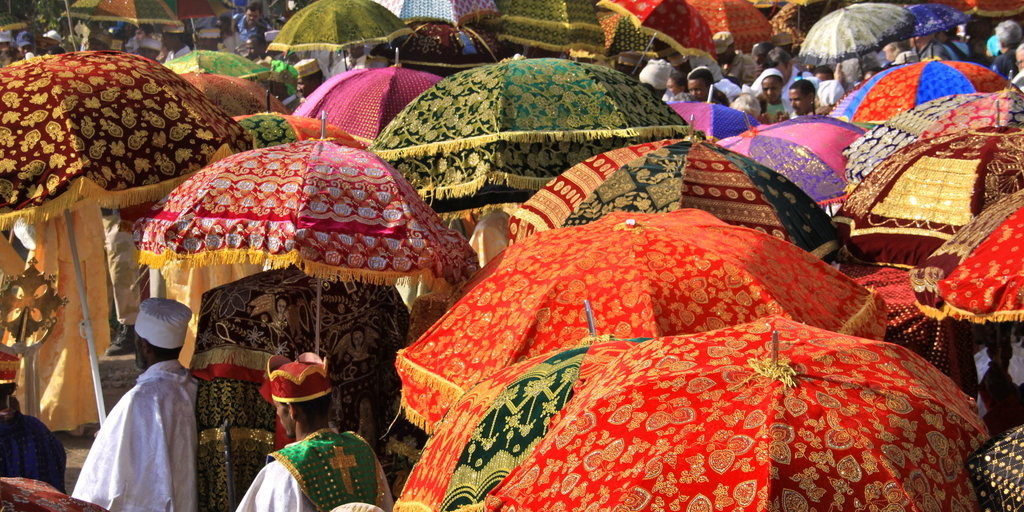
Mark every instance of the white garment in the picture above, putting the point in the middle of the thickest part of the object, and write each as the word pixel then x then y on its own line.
pixel 793 75
pixel 144 457
pixel 184 50
pixel 276 490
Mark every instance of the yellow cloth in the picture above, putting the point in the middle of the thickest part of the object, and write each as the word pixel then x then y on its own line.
pixel 63 363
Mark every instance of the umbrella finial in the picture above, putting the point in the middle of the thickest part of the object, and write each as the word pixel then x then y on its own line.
pixel 590 317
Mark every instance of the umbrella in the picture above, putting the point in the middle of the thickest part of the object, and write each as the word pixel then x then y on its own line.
pixel 472 449
pixel 452 11
pixel 135 12
pixel 738 17
pixel 522 122
pixel 554 25
pixel 725 184
pixel 334 211
pixel 644 274
pixel 674 23
pixel 812 421
pixel 334 24
pixel 995 471
pixel 218 63
pixel 1003 108
pixel 8 22
pixel 976 274
pixel 243 323
pixel 444 49
pixel 996 8
pixel 932 18
pixel 855 30
pixel 924 193
pixel 900 88
pixel 236 96
pixel 186 9
pixel 713 119
pixel 363 101
pixel 797 18
pixel 808 150
pixel 274 129
pixel 27 495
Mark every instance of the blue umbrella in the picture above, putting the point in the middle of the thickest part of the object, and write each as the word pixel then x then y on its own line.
pixel 932 18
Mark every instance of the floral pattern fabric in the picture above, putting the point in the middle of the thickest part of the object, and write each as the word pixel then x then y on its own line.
pixel 645 275
pixel 444 49
pixel 235 96
pixel 854 31
pixel 714 421
pixel 452 11
pixel 738 17
pixel 676 23
pixel 334 25
pixel 276 129
pixel 554 25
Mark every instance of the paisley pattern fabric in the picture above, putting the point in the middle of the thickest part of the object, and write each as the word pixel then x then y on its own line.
pixel 738 17
pixel 715 120
pixel 334 25
pixel 218 63
pixel 334 211
pixel 109 126
pixel 521 123
pixel 244 323
pixel 994 471
pixel 276 129
pixel 924 193
pixel 645 275
pixel 901 88
pixel 27 495
pixel 496 423
pixel 855 30
pixel 555 25
pixel 675 23
pixel 808 150
pixel 235 96
pixel 709 422
pixel 443 49
pixel 452 11
pixel 363 101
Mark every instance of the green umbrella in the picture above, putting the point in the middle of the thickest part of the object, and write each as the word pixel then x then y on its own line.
pixel 554 25
pixel 131 11
pixel 514 125
pixel 8 22
pixel 218 63
pixel 335 24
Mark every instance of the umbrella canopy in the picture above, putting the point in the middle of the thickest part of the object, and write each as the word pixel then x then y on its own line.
pixel 996 8
pixel 522 122
pixel 797 18
pixel 1003 108
pixel 275 129
pixel 644 274
pixel 808 150
pixel 976 275
pixel 995 471
pixel 472 449
pixel 334 211
pixel 932 18
pixel 8 22
pixel 674 23
pixel 901 88
pixel 554 25
pixel 147 129
pixel 924 193
pixel 132 11
pixel 334 24
pixel 218 63
pixel 452 11
pixel 27 495
pixel 186 9
pixel 855 30
pixel 445 49
pixel 713 119
pixel 814 421
pixel 738 17
pixel 236 96
pixel 363 101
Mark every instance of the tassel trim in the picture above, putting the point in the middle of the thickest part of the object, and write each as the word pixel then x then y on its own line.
pixel 479 212
pixel 133 21
pixel 472 187
pixel 529 137
pixel 412 506
pixel 475 507
pixel 548 46
pixel 247 359
pixel 950 311
pixel 867 315
pixel 444 390
pixel 302 47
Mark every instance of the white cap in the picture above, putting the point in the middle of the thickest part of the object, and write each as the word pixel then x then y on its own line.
pixel 163 322
pixel 150 44
pixel 270 35
pixel 53 35
pixel 656 73
pixel 5 37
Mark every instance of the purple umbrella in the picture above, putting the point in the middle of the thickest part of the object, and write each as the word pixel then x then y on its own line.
pixel 716 120
pixel 932 18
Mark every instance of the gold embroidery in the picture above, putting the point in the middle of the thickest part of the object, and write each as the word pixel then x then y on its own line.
pixel 932 185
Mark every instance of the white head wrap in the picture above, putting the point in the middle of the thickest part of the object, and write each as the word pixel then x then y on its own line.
pixel 656 73
pixel 830 92
pixel 163 322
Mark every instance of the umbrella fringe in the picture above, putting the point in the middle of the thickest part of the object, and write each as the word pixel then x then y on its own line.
pixel 995 14
pixel 244 358
pixel 479 212
pixel 529 137
pixel 867 315
pixel 600 50
pixel 931 312
pixel 444 390
pixel 133 21
pixel 950 311
pixel 411 506
pixel 301 47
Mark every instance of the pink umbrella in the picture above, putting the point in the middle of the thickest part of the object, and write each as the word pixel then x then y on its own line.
pixel 808 150
pixel 363 101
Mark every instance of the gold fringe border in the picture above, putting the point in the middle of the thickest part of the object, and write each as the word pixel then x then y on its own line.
pixel 479 212
pixel 233 355
pixel 133 21
pixel 447 390
pixel 867 313
pixel 822 250
pixel 950 311
pixel 479 506
pixel 412 506
pixel 996 14
pixel 302 47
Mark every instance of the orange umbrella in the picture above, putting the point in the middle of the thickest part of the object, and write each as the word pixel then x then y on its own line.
pixel 271 129
pixel 738 17
pixel 644 274
pixel 995 8
pixel 732 420
pixel 237 96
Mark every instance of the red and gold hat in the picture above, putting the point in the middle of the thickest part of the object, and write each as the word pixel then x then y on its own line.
pixel 296 381
pixel 8 367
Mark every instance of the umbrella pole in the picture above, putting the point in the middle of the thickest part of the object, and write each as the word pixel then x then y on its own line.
pixel 87 320
pixel 319 308
pixel 642 55
pixel 71 26
pixel 590 317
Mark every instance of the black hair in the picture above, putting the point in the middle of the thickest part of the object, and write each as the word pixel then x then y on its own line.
pixel 316 407
pixel 804 87
pixel 162 354
pixel 702 74
pixel 255 6
pixel 826 70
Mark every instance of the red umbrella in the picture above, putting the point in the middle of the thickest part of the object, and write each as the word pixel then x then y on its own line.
pixel 675 23
pixel 738 17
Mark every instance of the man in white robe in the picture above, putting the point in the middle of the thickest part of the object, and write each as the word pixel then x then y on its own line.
pixel 144 456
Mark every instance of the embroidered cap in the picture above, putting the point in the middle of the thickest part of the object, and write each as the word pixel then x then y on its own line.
pixel 307 67
pixel 301 380
pixel 8 367
pixel 163 322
